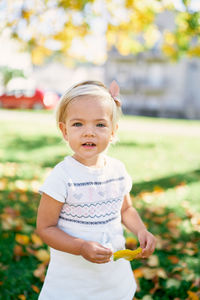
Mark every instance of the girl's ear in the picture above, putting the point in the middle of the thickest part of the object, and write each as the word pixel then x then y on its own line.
pixel 115 129
pixel 63 129
pixel 113 135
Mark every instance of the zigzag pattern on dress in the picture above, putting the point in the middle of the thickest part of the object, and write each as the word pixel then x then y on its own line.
pixel 88 222
pixel 92 210
pixel 95 216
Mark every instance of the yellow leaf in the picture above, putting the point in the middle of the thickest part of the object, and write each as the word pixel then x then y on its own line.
pixel 23 198
pixel 36 240
pixel 39 53
pixel 3 184
pixel 42 255
pixel 22 239
pixel 169 38
pixel 158 189
pixel 22 297
pixel 127 254
pixel 194 51
pixel 192 295
pixel 169 50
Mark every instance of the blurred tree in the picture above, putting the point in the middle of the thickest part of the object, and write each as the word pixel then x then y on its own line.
pixel 8 73
pixel 48 27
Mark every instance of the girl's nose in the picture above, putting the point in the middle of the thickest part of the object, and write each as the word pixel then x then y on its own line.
pixel 89 131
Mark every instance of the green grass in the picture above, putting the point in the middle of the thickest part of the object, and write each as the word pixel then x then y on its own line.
pixel 165 168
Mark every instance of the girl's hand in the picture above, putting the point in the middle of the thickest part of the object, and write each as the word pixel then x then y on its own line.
pixel 147 242
pixel 95 252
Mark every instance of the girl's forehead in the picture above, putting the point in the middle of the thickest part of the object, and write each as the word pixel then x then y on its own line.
pixel 91 103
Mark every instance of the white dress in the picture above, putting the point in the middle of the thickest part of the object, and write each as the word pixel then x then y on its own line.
pixel 92 200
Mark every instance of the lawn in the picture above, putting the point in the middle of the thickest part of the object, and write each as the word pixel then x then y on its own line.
pixel 162 156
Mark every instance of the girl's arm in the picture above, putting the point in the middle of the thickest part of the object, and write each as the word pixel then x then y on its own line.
pixel 132 220
pixel 47 219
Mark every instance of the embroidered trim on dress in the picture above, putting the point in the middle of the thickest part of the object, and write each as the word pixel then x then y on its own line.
pixel 89 216
pixel 95 182
pixel 92 210
pixel 87 222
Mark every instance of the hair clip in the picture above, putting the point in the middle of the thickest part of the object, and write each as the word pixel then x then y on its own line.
pixel 114 91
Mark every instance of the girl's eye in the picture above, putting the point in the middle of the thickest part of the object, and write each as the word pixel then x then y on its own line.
pixel 77 124
pixel 101 125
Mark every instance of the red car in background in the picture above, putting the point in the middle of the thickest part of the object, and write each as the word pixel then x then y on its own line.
pixel 29 99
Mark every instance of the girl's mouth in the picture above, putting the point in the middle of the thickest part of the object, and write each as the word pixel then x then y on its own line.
pixel 88 145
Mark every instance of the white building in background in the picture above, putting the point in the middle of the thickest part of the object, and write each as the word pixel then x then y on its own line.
pixel 151 85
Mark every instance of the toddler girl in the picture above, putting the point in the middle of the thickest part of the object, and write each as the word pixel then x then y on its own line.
pixel 85 200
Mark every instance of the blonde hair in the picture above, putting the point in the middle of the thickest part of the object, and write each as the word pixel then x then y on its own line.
pixel 94 88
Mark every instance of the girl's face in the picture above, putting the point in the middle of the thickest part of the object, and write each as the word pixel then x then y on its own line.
pixel 88 128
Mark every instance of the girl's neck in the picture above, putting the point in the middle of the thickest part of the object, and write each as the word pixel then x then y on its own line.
pixel 97 163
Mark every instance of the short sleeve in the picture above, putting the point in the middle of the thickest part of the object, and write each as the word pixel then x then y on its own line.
pixel 128 183
pixel 55 185
pixel 127 179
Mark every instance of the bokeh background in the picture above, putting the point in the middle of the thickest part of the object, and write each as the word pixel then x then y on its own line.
pixel 152 49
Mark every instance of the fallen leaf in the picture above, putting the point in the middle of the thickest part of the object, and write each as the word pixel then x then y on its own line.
pixel 161 273
pixel 174 259
pixel 156 286
pixel 146 196
pixel 23 197
pixel 3 184
pixel 150 273
pixel 22 297
pixel 36 240
pixel 40 271
pixel 35 289
pixel 153 261
pixel 138 273
pixel 179 246
pixel 190 252
pixel 11 211
pixel 172 282
pixel 21 185
pixel 173 223
pixel 18 251
pixel 42 255
pixel 159 220
pixel 158 190
pixel 192 295
pixel 22 239
pixel 147 297
pixel 30 250
pixel 162 243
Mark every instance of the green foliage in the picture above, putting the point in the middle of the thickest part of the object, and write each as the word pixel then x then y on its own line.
pixel 9 73
pixel 132 30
